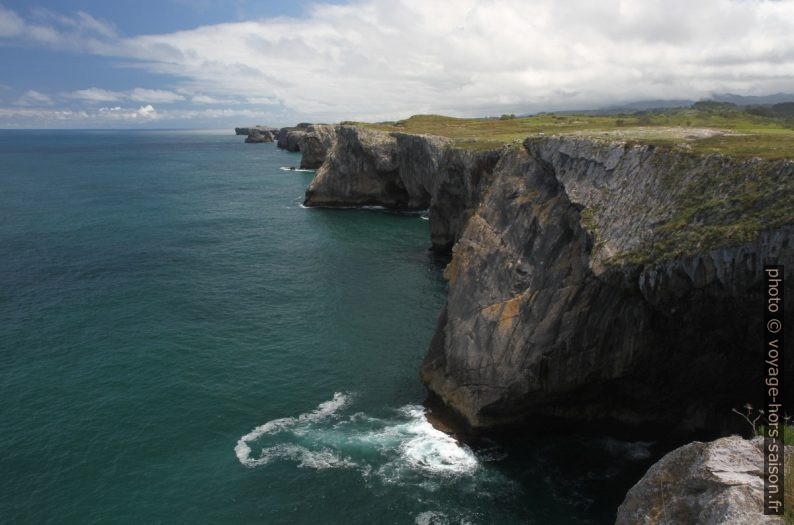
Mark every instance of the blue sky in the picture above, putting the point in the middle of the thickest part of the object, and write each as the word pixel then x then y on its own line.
pixel 205 63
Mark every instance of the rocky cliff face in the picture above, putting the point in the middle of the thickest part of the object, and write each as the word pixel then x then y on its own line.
pixel 288 138
pixel 589 280
pixel 403 171
pixel 256 136
pixel 314 141
pixel 717 483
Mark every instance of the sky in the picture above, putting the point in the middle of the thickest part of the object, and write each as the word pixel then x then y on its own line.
pixel 220 63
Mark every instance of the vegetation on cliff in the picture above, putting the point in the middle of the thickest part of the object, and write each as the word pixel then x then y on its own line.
pixel 703 128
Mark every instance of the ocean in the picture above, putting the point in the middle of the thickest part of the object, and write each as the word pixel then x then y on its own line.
pixel 182 342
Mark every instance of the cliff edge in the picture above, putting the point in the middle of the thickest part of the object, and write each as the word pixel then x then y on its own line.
pixel 589 279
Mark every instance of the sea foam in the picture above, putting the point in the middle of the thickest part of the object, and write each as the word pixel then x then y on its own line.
pixel 395 449
pixel 295 452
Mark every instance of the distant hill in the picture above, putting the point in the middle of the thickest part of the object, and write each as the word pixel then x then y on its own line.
pixel 764 100
pixel 721 101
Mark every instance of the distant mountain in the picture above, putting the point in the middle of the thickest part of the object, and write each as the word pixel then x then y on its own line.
pixel 772 102
pixel 763 100
pixel 643 105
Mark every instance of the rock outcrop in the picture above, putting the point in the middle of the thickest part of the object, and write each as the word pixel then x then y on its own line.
pixel 288 138
pixel 314 141
pixel 314 145
pixel 402 171
pixel 249 130
pixel 568 298
pixel 589 280
pixel 256 136
pixel 716 483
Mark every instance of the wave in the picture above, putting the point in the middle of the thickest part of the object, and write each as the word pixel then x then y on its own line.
pixel 394 449
pixel 324 410
pixel 288 168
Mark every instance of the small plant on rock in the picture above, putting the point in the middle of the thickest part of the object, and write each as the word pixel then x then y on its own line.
pixel 750 416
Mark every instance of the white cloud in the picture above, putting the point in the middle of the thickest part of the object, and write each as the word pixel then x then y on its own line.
pixel 34 98
pixel 125 114
pixel 387 59
pixel 95 94
pixel 374 59
pixel 81 22
pixel 80 31
pixel 154 95
pixel 206 99
pixel 114 116
pixel 11 24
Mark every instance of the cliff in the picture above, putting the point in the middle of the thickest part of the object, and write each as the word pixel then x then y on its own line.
pixel 256 136
pixel 717 483
pixel 313 140
pixel 589 279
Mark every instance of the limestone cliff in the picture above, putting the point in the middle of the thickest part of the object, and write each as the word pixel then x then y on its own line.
pixel 589 280
pixel 313 140
pixel 256 136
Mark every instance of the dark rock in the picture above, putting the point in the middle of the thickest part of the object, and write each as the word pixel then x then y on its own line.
pixel 314 141
pixel 570 293
pixel 289 138
pixel 247 131
pixel 259 135
pixel 314 145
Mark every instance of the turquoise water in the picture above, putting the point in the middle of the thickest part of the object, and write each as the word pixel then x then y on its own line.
pixel 182 342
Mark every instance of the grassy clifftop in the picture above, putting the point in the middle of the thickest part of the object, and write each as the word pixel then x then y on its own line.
pixel 729 131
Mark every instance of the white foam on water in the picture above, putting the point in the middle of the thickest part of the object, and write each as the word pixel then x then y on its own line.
pixel 432 450
pixel 430 517
pixel 287 168
pixel 394 449
pixel 305 456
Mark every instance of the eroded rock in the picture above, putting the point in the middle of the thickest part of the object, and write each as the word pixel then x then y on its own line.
pixel 589 280
pixel 716 483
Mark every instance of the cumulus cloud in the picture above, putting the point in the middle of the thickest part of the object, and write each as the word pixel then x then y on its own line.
pixel 373 59
pixel 381 59
pixel 125 114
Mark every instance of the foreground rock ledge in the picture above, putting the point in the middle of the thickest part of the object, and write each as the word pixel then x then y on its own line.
pixel 717 483
pixel 589 280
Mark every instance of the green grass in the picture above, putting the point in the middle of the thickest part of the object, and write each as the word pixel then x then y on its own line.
pixel 720 207
pixel 713 205
pixel 741 134
pixel 788 434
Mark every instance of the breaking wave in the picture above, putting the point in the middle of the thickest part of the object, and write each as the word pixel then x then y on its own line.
pixel 395 449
